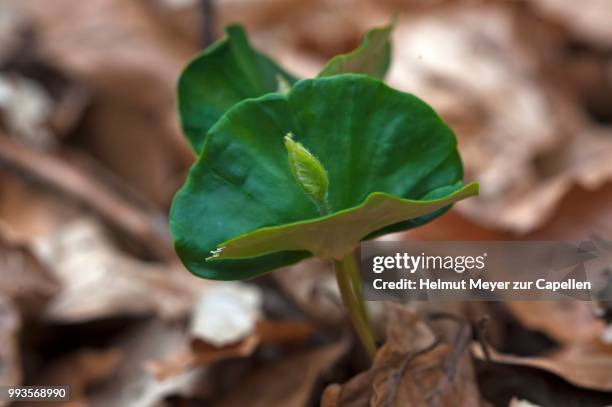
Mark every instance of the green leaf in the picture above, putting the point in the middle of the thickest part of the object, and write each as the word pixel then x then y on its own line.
pixel 336 235
pixel 372 57
pixel 230 71
pixel 384 151
pixel 226 73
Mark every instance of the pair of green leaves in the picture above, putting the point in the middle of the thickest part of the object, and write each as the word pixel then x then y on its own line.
pixel 231 71
pixel 390 162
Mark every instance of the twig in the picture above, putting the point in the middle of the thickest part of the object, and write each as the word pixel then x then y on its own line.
pixel 207 8
pixel 58 175
pixel 481 335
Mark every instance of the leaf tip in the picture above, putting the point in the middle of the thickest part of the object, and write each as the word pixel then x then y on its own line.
pixel 215 253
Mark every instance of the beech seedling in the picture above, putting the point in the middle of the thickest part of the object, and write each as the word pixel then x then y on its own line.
pixel 287 169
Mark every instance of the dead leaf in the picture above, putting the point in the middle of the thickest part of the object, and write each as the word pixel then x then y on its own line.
pixel 357 392
pixel 29 214
pixel 79 370
pixel 414 367
pixel 521 403
pixel 312 285
pixel 580 215
pixel 553 318
pixel 145 227
pixel 132 384
pixel 502 379
pixel 26 108
pixel 10 358
pixel 28 283
pixel 300 35
pixel 289 381
pixel 418 370
pixel 13 27
pixel 129 61
pixel 590 22
pixel 582 366
pixel 39 104
pixel 200 353
pixel 226 313
pixel 100 281
pixel 283 332
pixel 525 145
pixel 226 323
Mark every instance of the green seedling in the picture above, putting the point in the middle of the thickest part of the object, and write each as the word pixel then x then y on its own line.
pixel 289 169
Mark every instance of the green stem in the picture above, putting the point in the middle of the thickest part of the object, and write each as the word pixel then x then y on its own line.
pixel 349 283
pixel 353 271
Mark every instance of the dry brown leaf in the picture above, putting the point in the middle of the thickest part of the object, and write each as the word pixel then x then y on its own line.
pixel 521 403
pixel 580 215
pixel 414 367
pixel 129 61
pixel 226 323
pixel 590 22
pixel 289 381
pixel 283 332
pixel 79 370
pixel 26 108
pixel 132 384
pixel 303 35
pixel 226 313
pixel 357 392
pixel 134 118
pixel 588 364
pixel 583 359
pixel 525 145
pixel 13 26
pixel 10 358
pixel 201 353
pixel 25 280
pixel 499 383
pixel 223 326
pixel 542 381
pixel 38 103
pixel 100 281
pixel 140 224
pixel 420 372
pixel 29 214
pixel 553 319
pixel 311 284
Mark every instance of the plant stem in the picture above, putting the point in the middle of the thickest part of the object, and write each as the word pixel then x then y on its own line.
pixel 353 271
pixel 349 282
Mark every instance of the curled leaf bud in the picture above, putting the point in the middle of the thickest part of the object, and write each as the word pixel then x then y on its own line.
pixel 308 172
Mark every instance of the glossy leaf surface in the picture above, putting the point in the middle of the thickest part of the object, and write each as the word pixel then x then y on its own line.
pixel 231 71
pixel 385 160
pixel 337 235
pixel 372 57
pixel 224 74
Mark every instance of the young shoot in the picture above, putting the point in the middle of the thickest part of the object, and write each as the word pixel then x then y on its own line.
pixel 308 172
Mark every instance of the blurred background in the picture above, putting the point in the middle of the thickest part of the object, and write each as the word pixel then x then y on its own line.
pixel 92 296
